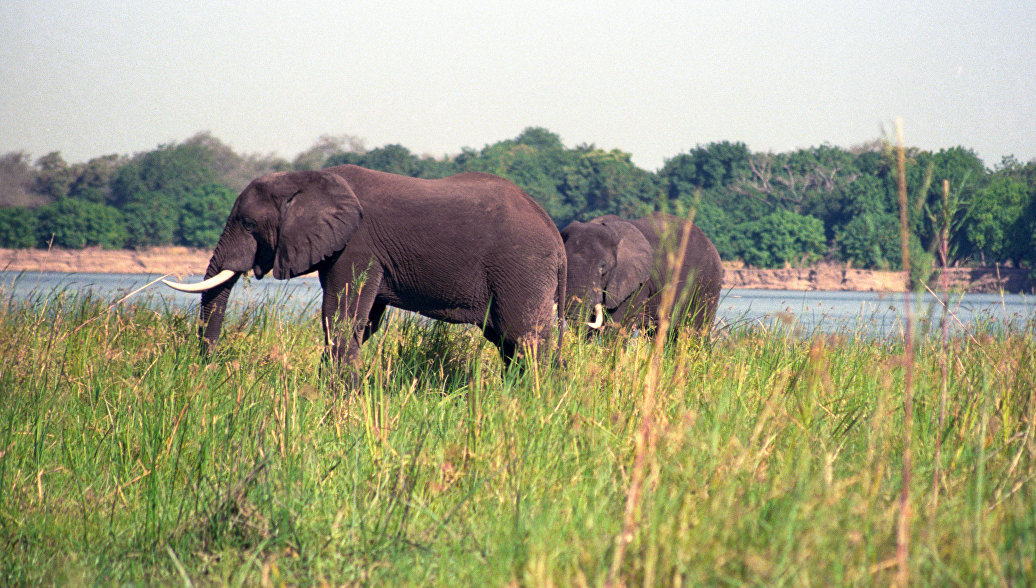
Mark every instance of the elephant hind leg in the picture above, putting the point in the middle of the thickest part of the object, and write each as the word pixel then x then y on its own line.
pixel 508 348
pixel 527 346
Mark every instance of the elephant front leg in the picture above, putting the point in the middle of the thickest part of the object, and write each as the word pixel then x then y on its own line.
pixel 345 316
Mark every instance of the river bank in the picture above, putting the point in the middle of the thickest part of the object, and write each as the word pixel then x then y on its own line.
pixel 183 261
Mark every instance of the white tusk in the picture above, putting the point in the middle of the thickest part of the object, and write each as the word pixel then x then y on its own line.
pixel 208 284
pixel 598 317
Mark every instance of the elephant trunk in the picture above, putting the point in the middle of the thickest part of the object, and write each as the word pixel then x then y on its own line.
pixel 213 308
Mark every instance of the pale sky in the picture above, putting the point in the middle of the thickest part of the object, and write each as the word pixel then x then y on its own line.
pixel 650 78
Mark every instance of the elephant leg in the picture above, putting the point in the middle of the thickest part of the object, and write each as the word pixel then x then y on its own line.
pixel 347 310
pixel 508 348
pixel 373 320
pixel 520 329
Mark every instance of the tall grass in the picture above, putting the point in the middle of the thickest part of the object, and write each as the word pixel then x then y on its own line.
pixel 127 457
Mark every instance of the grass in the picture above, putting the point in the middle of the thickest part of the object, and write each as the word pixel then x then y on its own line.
pixel 126 457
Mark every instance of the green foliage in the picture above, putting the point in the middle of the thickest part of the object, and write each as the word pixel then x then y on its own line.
pixel 394 159
pixel 994 227
pixel 53 176
pixel 966 174
pixel 780 238
pixel 173 171
pixel 74 224
pixel 18 227
pixel 1024 233
pixel 169 196
pixel 871 240
pixel 607 182
pixel 93 179
pixel 152 219
pixel 706 167
pixel 203 215
pixel 714 221
pixel 570 184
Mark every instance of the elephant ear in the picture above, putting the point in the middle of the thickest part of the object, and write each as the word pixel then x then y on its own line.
pixel 316 222
pixel 633 258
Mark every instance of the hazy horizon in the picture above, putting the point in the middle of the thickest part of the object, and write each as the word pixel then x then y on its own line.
pixel 653 80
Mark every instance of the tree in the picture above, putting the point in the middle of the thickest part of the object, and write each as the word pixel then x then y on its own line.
pixel 717 226
pixel 17 180
pixel 74 224
pixel 966 174
pixel 780 238
pixel 1024 233
pixel 53 176
pixel 93 180
pixel 870 240
pixel 232 170
pixel 327 147
pixel 540 138
pixel 717 164
pixel 715 177
pixel 18 227
pixel 171 170
pixel 607 182
pixel 537 162
pixel 152 219
pixel 203 215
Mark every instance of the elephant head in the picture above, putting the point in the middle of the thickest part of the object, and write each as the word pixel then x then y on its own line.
pixel 287 223
pixel 609 259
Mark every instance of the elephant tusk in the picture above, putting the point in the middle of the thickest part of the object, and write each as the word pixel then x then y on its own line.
pixel 202 286
pixel 598 317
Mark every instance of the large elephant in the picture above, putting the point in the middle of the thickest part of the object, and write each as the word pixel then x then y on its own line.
pixel 471 248
pixel 620 266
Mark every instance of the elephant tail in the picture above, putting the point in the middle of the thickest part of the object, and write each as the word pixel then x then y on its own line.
pixel 560 308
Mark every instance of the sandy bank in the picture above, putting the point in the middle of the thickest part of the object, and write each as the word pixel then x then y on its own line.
pixel 182 261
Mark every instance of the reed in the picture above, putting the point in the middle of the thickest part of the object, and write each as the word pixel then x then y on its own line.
pixel 126 457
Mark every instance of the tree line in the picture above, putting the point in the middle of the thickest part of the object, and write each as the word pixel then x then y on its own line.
pixel 767 209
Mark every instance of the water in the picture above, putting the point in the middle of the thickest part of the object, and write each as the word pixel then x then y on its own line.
pixel 802 312
pixel 298 294
pixel 874 313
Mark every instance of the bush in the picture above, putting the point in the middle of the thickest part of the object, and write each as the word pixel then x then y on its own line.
pixel 203 214
pixel 870 241
pixel 18 227
pixel 780 238
pixel 74 224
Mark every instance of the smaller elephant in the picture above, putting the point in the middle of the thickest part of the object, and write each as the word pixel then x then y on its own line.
pixel 620 266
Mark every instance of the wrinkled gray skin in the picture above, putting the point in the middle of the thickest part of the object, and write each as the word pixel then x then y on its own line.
pixel 624 264
pixel 471 248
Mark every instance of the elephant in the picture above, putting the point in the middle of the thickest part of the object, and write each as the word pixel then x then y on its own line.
pixel 471 248
pixel 620 266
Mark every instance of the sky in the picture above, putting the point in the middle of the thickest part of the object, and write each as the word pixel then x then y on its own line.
pixel 653 79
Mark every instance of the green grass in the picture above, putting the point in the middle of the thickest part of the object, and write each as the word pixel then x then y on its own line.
pixel 126 457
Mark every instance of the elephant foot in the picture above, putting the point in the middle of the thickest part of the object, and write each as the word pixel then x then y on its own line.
pixel 342 378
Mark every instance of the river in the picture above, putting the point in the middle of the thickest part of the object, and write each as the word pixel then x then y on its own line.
pixel 797 311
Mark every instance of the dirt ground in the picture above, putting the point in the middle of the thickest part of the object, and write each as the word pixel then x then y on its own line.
pixel 182 261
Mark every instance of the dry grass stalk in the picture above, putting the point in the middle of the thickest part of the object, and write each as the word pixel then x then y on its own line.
pixel 646 435
pixel 903 523
pixel 944 249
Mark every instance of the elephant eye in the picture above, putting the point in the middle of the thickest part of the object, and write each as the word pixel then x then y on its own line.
pixel 249 224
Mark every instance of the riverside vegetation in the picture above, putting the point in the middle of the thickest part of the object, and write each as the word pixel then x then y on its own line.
pixel 763 457
pixel 768 210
